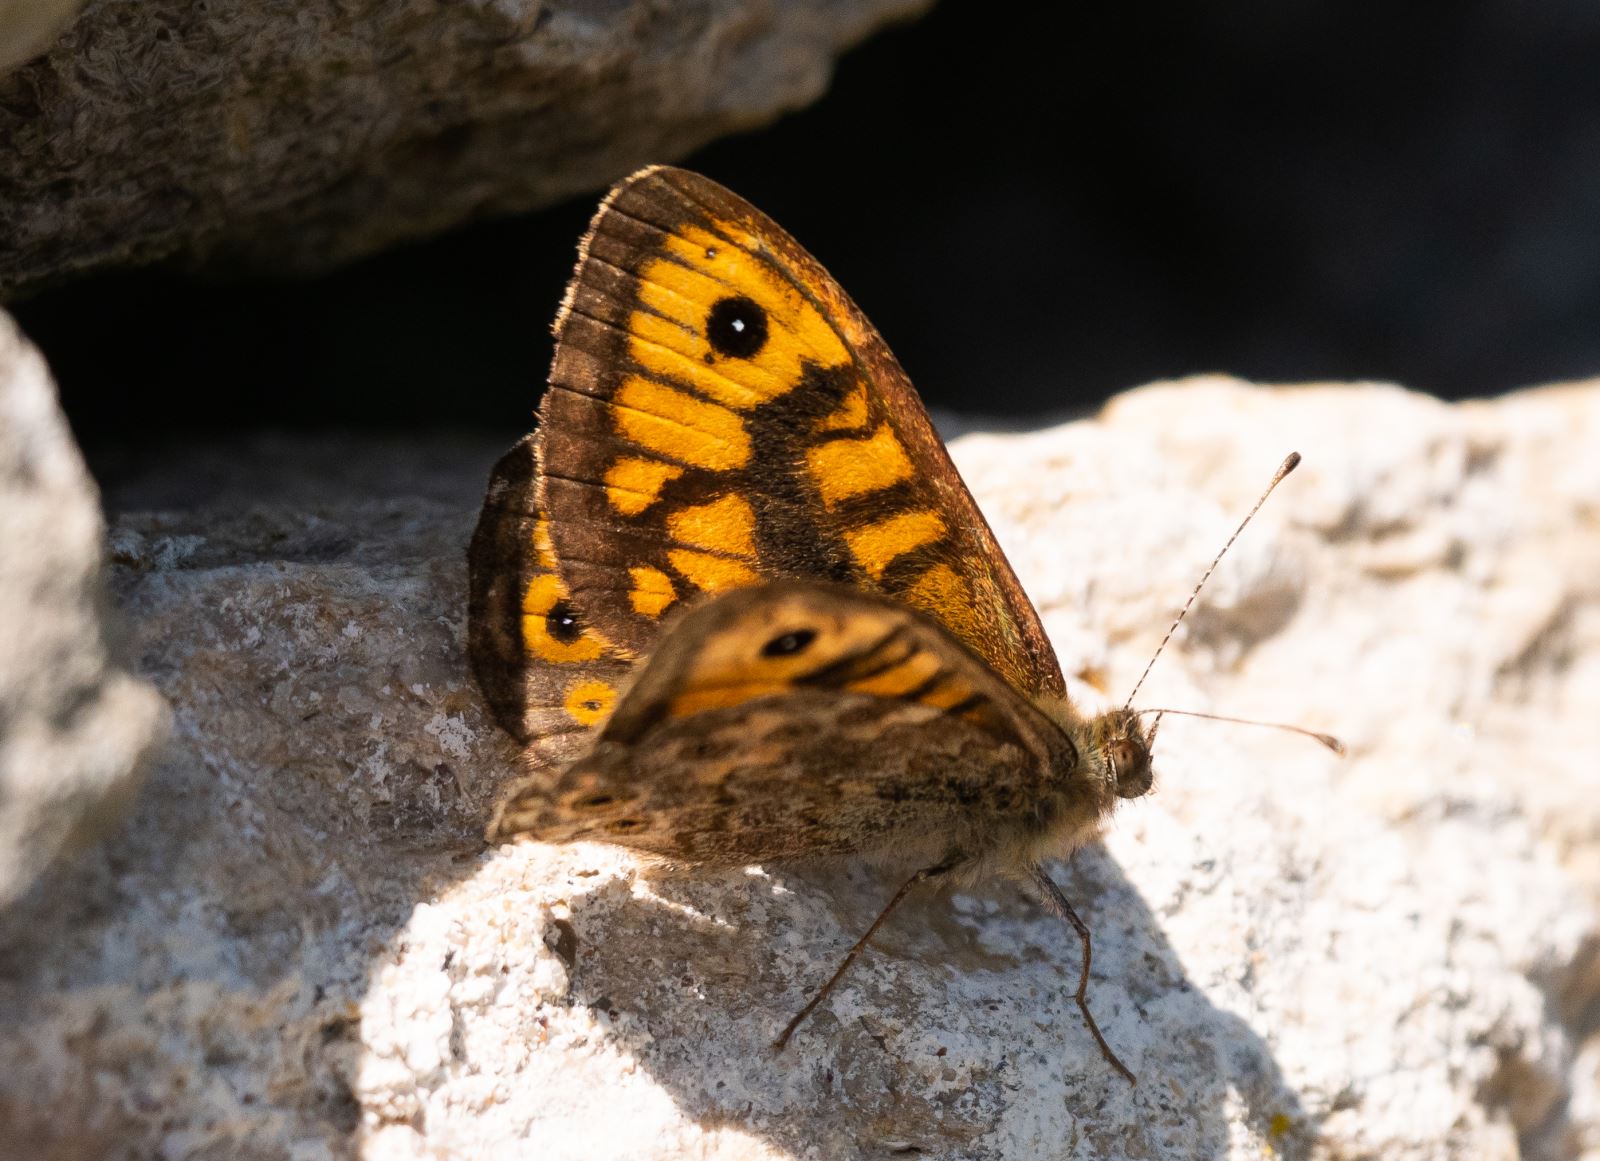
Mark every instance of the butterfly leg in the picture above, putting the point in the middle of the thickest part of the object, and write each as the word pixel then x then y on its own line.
pixel 921 876
pixel 1057 902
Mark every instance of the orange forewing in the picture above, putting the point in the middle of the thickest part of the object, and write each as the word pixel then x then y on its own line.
pixel 720 413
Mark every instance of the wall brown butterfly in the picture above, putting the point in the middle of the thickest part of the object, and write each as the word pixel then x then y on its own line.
pixel 737 605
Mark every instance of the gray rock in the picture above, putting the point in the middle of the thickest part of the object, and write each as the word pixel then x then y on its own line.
pixel 299 947
pixel 75 729
pixel 28 26
pixel 294 137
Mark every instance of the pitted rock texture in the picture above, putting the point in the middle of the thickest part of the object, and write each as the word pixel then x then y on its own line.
pixel 298 947
pixel 75 727
pixel 296 136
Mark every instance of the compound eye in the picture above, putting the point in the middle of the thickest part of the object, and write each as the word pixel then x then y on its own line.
pixel 1130 763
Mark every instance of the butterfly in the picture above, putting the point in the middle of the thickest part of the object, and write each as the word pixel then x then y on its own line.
pixel 737 605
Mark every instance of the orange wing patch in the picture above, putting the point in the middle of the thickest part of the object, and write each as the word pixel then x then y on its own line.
pixel 899 680
pixel 876 546
pixel 851 415
pixel 948 694
pixel 843 469
pixel 590 702
pixel 651 592
pixel 633 484
pixel 678 427
pixel 543 551
pixel 942 593
pixel 726 525
pixel 712 574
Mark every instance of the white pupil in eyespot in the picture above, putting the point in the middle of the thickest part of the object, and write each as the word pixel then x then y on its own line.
pixel 738 325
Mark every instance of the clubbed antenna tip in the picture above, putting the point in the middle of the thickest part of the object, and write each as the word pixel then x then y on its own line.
pixel 1327 740
pixel 1290 463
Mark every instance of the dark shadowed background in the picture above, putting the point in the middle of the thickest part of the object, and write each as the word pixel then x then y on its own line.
pixel 1037 206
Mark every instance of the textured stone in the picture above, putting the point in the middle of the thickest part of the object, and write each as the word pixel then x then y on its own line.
pixel 299 948
pixel 296 136
pixel 75 729
pixel 28 26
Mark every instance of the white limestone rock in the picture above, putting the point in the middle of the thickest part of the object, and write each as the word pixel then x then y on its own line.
pixel 298 947
pixel 75 728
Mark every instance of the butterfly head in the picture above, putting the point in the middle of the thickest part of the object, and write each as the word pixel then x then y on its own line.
pixel 1120 743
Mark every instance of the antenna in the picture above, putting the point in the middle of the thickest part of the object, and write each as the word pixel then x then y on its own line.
pixel 1327 740
pixel 1288 465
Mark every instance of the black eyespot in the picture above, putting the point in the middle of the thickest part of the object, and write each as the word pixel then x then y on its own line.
pixel 736 327
pixel 623 825
pixel 562 624
pixel 594 802
pixel 789 643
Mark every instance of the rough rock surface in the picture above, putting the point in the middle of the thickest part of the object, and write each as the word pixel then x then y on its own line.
pixel 75 729
pixel 28 26
pixel 297 948
pixel 296 136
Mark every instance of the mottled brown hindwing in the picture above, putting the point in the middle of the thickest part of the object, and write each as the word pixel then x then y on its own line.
pixel 795 719
pixel 720 413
